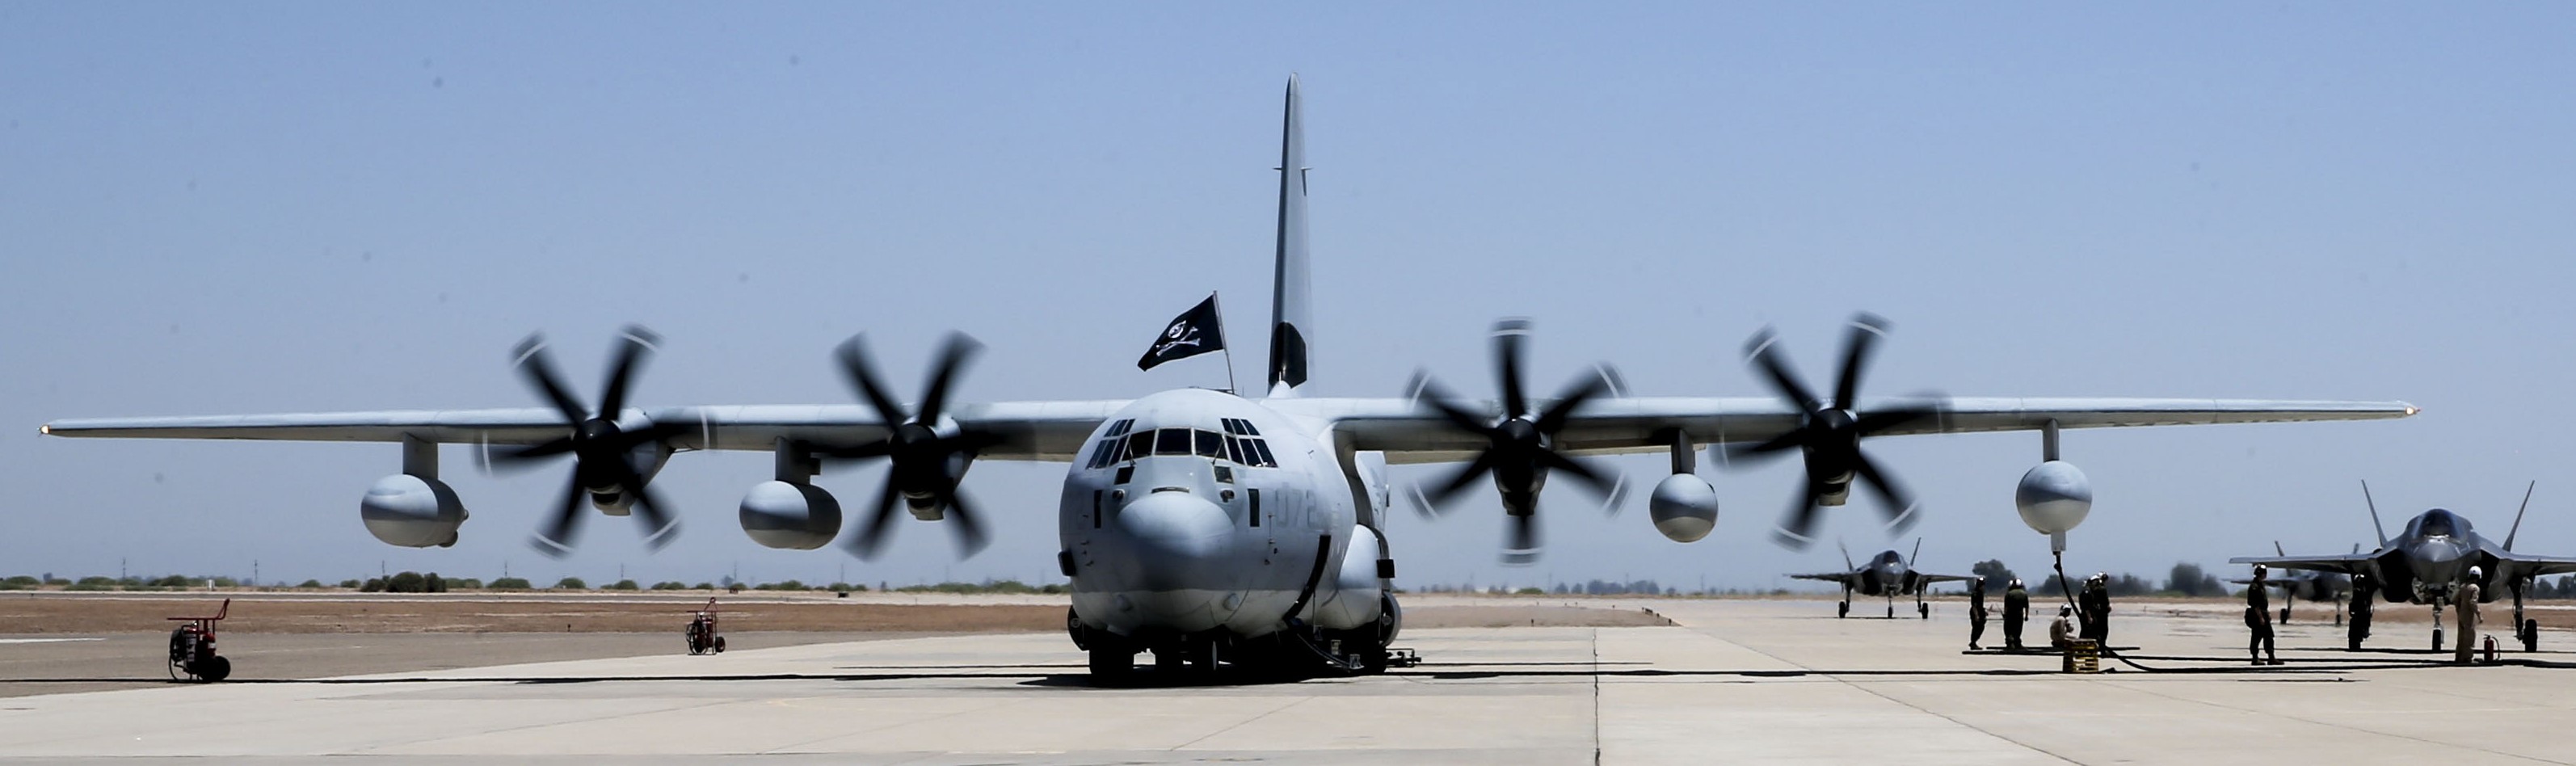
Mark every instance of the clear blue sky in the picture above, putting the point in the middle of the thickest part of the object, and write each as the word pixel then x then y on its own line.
pixel 237 208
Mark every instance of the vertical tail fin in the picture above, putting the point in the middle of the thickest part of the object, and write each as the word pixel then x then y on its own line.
pixel 2517 515
pixel 1918 553
pixel 2374 513
pixel 1847 562
pixel 1291 308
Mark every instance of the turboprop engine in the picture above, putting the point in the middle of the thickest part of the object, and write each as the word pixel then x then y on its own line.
pixel 412 511
pixel 796 516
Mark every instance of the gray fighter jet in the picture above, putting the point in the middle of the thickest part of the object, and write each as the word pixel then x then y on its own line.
pixel 2429 562
pixel 1887 575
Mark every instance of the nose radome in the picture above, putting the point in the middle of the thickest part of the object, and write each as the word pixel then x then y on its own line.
pixel 1175 524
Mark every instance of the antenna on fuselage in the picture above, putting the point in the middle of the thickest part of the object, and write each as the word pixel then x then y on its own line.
pixel 2374 514
pixel 2517 515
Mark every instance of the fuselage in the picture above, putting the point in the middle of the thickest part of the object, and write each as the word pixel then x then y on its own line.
pixel 1886 575
pixel 1196 513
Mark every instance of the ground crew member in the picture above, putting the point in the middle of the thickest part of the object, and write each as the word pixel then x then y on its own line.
pixel 2469 618
pixel 2016 612
pixel 1976 612
pixel 2096 601
pixel 2364 590
pixel 2059 630
pixel 2258 618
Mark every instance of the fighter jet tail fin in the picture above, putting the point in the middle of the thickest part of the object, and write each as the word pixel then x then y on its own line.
pixel 1847 562
pixel 2374 514
pixel 1917 554
pixel 1291 307
pixel 2517 515
pixel 2276 549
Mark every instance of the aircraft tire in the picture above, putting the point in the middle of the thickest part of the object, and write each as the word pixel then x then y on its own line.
pixel 2531 635
pixel 2437 638
pixel 1111 666
pixel 1926 609
pixel 1842 610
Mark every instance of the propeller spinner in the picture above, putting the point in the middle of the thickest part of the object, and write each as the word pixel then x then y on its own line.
pixel 1829 434
pixel 1520 447
pixel 602 449
pixel 925 459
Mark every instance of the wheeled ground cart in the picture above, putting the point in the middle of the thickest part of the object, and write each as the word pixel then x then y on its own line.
pixel 703 638
pixel 192 648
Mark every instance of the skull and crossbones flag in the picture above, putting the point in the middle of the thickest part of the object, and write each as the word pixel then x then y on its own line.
pixel 1196 331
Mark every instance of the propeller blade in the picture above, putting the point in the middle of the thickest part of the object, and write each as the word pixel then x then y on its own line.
pixel 1583 471
pixel 953 357
pixel 538 368
pixel 1429 393
pixel 660 528
pixel 533 453
pixel 1576 394
pixel 556 540
pixel 1866 329
pixel 1521 549
pixel 640 343
pixel 863 376
pixel 1447 489
pixel 970 533
pixel 1899 506
pixel 1508 336
pixel 1763 352
pixel 1877 422
pixel 1796 528
pixel 866 542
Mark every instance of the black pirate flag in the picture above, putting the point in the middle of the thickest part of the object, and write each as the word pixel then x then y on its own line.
pixel 1194 332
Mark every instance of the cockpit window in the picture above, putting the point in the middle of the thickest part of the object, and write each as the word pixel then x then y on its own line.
pixel 1172 441
pixel 2438 522
pixel 1140 444
pixel 1208 443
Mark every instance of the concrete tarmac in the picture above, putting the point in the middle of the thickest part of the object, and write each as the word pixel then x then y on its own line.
pixel 1730 682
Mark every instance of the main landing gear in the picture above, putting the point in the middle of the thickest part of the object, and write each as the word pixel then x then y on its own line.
pixel 2437 626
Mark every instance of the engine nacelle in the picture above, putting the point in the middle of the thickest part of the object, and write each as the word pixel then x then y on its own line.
pixel 780 514
pixel 1684 507
pixel 412 512
pixel 2053 497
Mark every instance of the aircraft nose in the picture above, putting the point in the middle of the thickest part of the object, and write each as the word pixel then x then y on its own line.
pixel 1176 526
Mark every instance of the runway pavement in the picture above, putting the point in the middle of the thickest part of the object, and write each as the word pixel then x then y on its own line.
pixel 1731 682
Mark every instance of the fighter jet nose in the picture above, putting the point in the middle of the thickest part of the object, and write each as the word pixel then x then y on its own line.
pixel 1175 525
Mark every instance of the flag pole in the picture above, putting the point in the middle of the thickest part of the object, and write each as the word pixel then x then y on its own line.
pixel 1228 348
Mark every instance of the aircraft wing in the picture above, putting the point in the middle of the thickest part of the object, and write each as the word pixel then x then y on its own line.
pixel 2355 563
pixel 1409 433
pixel 1029 430
pixel 2540 566
pixel 1928 580
pixel 1843 578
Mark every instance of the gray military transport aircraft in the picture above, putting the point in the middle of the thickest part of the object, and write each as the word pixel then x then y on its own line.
pixel 1888 575
pixel 1203 526
pixel 2429 561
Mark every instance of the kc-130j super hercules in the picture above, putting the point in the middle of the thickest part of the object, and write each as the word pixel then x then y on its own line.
pixel 1207 526
pixel 2428 562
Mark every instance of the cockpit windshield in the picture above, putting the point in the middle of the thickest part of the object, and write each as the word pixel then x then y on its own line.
pixel 2439 523
pixel 1119 445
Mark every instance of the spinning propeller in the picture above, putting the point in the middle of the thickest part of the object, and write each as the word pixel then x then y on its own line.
pixel 1520 444
pixel 926 460
pixel 602 450
pixel 1829 433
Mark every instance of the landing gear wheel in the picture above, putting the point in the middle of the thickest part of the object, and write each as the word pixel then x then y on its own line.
pixel 1111 666
pixel 1202 657
pixel 1926 609
pixel 1891 610
pixel 1167 661
pixel 2531 635
pixel 2437 638
pixel 1842 610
